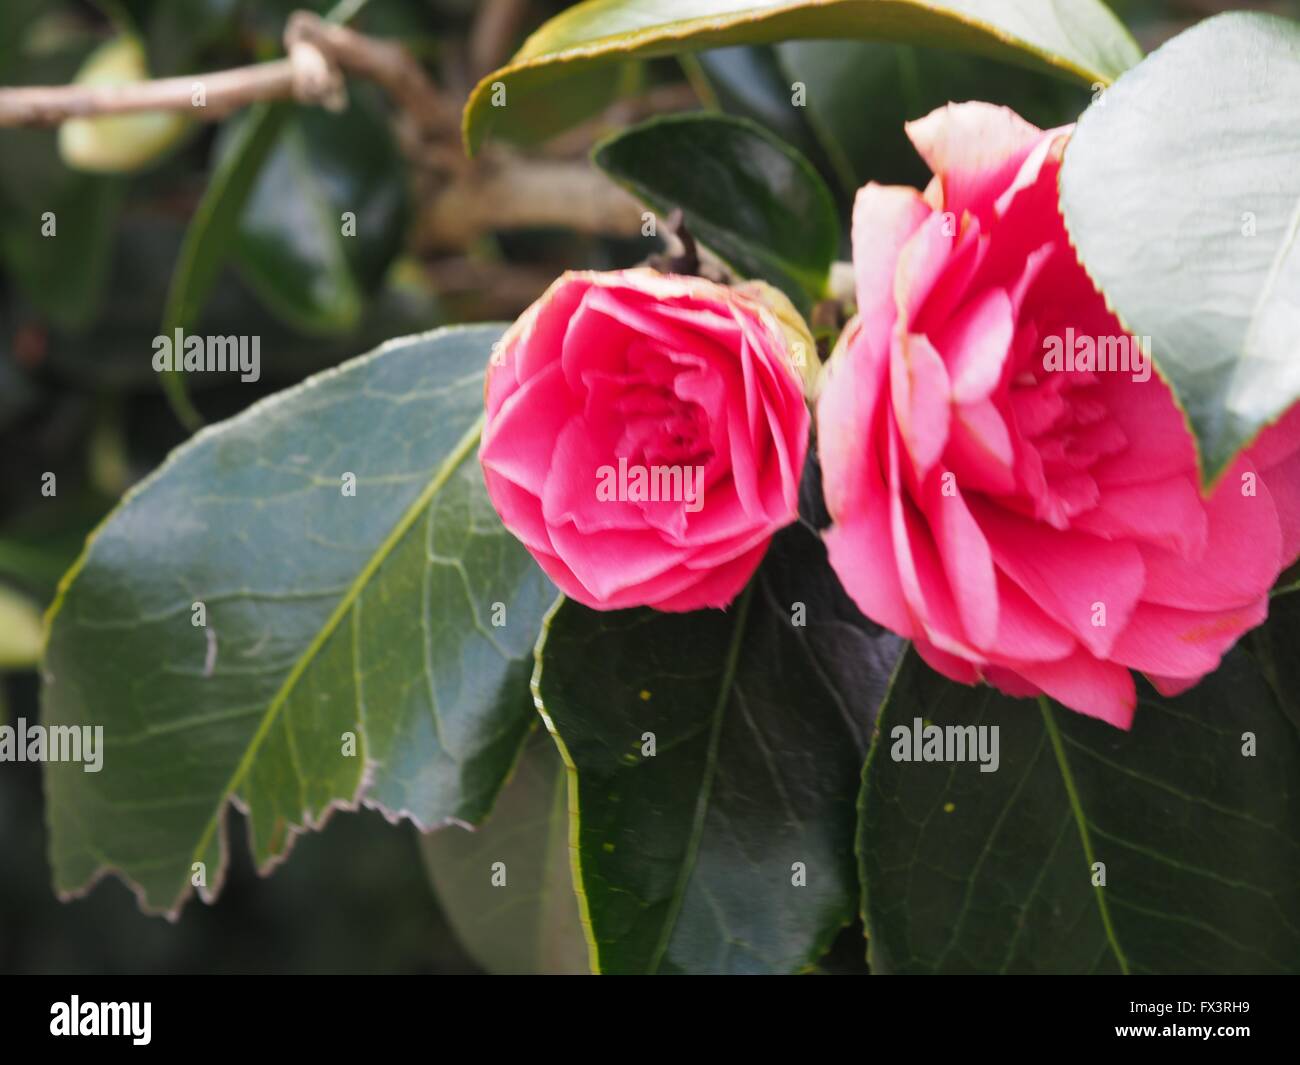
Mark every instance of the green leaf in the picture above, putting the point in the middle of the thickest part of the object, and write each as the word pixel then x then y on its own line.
pixel 1081 39
pixel 212 232
pixel 686 861
pixel 326 614
pixel 904 83
pixel 292 246
pixel 1181 191
pixel 1289 581
pixel 529 923
pixel 837 77
pixel 966 871
pixel 749 82
pixel 751 198
pixel 1273 646
pixel 216 219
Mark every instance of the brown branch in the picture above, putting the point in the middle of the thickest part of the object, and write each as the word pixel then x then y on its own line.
pixel 318 55
pixel 504 191
pixel 475 289
pixel 464 199
pixel 496 27
pixel 226 91
pixel 386 63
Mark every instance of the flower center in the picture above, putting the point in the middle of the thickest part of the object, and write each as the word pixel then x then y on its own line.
pixel 662 429
pixel 1069 431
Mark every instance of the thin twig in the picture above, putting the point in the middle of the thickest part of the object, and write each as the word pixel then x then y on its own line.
pixel 463 198
pixel 318 55
pixel 504 191
pixel 225 91
pixel 496 28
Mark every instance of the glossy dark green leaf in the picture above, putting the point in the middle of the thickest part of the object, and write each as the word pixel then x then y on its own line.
pixel 851 143
pixel 309 263
pixel 216 219
pixel 1081 39
pixel 752 199
pixel 213 230
pixel 748 81
pixel 1289 581
pixel 966 871
pixel 1181 190
pixel 834 79
pixel 507 887
pixel 374 614
pixel 902 83
pixel 688 861
pixel 1274 648
pixel 537 115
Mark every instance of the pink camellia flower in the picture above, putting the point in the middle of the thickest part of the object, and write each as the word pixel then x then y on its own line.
pixel 1011 487
pixel 645 435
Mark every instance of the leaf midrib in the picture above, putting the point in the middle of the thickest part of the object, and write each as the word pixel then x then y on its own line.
pixel 1076 807
pixel 442 474
pixel 706 786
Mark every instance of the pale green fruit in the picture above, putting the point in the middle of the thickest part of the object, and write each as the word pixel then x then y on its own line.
pixel 120 143
pixel 21 630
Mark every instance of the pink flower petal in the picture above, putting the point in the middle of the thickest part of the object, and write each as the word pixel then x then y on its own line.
pixel 921 398
pixel 884 219
pixel 975 345
pixel 1168 642
pixel 519 442
pixel 1242 556
pixel 977 149
pixel 1070 575
pixel 848 420
pixel 1168 514
pixel 1088 685
pixel 966 559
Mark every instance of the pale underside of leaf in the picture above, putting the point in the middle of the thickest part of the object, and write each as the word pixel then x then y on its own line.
pixel 1081 38
pixel 1180 189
